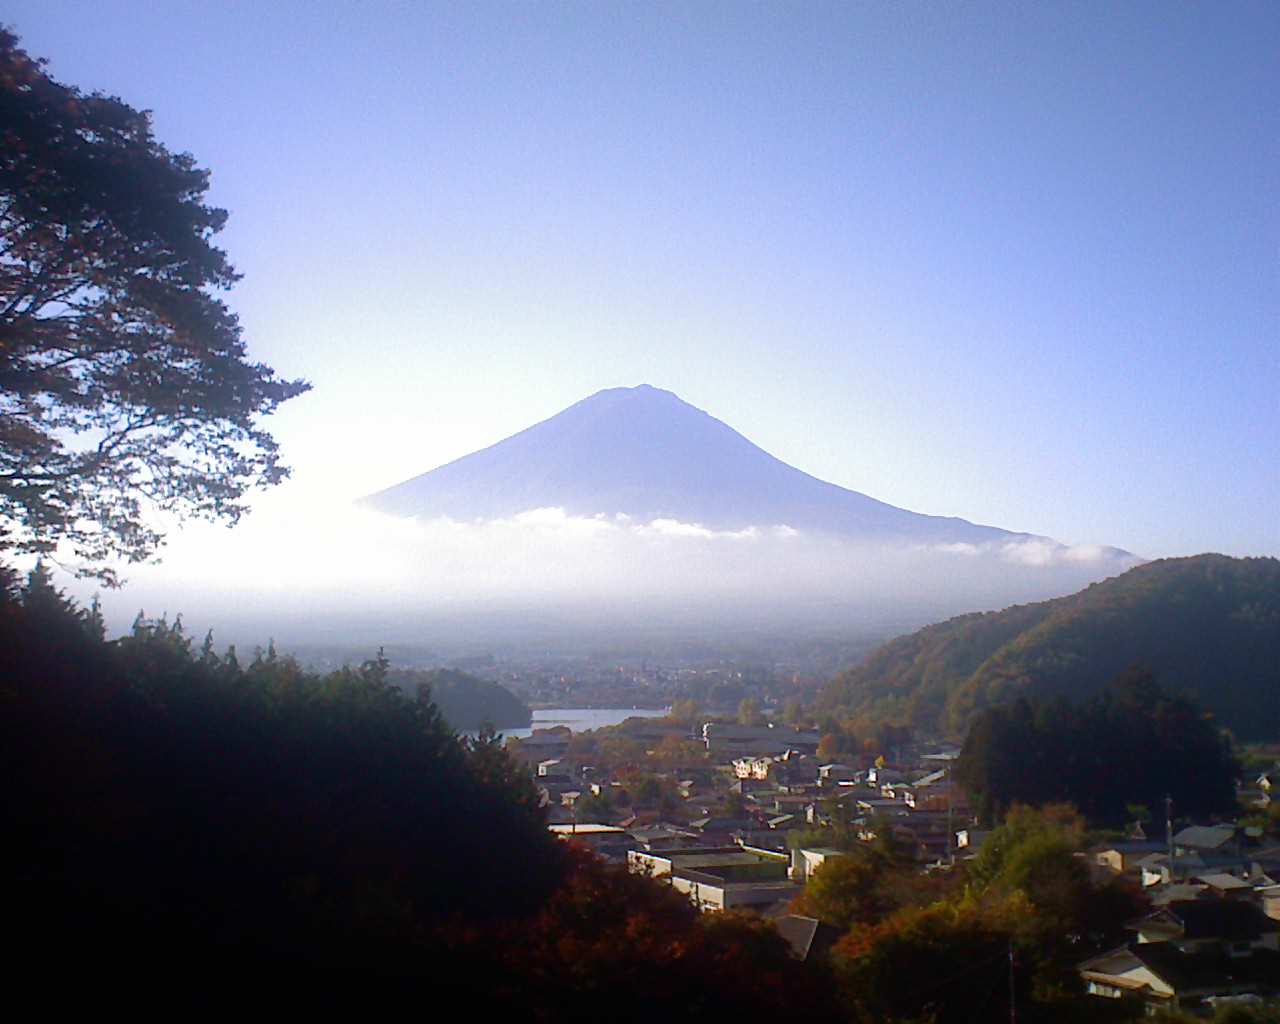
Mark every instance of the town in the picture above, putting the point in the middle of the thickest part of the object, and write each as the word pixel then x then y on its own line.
pixel 737 817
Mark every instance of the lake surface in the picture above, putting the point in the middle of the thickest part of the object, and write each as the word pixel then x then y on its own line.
pixel 582 719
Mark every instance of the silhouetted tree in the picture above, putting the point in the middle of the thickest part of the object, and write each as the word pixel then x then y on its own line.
pixel 123 378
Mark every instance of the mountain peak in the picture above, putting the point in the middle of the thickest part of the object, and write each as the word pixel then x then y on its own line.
pixel 646 393
pixel 644 452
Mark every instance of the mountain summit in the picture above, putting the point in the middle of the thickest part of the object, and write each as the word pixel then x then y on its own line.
pixel 646 453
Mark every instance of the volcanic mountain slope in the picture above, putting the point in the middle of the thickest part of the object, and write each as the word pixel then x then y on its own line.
pixel 644 453
pixel 1207 626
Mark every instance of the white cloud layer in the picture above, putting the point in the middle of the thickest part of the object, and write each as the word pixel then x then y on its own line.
pixel 323 562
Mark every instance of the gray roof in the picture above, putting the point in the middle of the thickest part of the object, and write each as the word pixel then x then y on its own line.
pixel 1205 837
pixel 807 936
pixel 1224 882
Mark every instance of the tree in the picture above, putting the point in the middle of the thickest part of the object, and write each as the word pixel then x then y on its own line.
pixel 947 962
pixel 828 747
pixel 844 891
pixel 677 753
pixel 1130 744
pixel 685 711
pixel 749 712
pixel 124 382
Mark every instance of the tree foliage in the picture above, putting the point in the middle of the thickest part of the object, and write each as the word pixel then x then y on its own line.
pixel 609 938
pixel 1132 744
pixel 1036 853
pixel 168 801
pixel 749 712
pixel 946 962
pixel 124 381
pixel 845 891
pixel 467 703
pixel 1208 626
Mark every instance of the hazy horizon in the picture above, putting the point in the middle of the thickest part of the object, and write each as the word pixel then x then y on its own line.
pixel 1009 264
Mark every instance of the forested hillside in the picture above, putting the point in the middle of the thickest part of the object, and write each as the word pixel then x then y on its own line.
pixel 206 828
pixel 1208 627
pixel 162 795
pixel 468 704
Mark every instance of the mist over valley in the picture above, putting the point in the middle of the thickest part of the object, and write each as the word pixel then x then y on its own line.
pixel 630 519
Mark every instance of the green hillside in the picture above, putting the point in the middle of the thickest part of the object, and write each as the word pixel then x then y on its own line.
pixel 1207 626
pixel 467 703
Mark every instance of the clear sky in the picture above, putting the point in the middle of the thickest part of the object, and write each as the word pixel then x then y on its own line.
pixel 1013 262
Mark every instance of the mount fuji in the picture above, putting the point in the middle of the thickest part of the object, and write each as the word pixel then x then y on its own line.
pixel 645 454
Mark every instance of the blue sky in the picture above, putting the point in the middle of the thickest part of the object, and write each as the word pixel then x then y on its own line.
pixel 1013 262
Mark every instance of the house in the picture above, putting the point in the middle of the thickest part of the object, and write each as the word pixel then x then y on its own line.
pixel 725 741
pixel 753 767
pixel 763 840
pixel 1124 857
pixel 719 829
pixel 610 841
pixel 719 877
pixel 971 839
pixel 1189 952
pixel 1168 979
pixel 662 836
pixel 804 862
pixel 895 790
pixel 1188 862
pixel 1204 839
pixel 1199 925
pixel 878 775
pixel 787 803
pixel 542 745
pixel 556 767
pixel 1269 896
pixel 1225 886
pixel 1178 892
pixel 831 774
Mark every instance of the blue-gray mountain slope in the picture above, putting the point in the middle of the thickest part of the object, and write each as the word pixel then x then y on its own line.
pixel 646 453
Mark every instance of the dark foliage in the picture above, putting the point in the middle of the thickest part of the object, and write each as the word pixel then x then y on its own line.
pixel 611 944
pixel 165 805
pixel 253 831
pixel 468 704
pixel 1208 626
pixel 123 378
pixel 1131 744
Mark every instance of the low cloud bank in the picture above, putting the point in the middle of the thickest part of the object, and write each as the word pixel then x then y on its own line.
pixel 1040 551
pixel 314 562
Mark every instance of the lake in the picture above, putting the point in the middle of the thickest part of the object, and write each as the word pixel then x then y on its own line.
pixel 582 719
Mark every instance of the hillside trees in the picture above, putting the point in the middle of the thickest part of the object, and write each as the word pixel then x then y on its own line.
pixel 467 703
pixel 164 803
pixel 610 938
pixel 952 961
pixel 295 834
pixel 124 379
pixel 1025 916
pixel 1207 626
pixel 1132 744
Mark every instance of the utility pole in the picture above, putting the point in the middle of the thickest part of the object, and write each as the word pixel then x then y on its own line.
pixel 1013 998
pixel 951 856
pixel 1168 836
